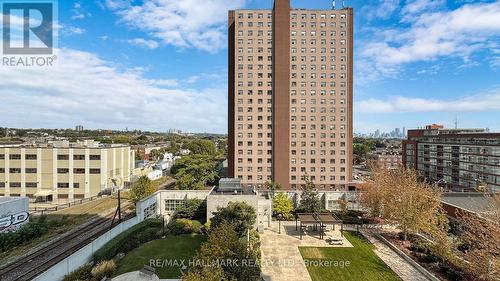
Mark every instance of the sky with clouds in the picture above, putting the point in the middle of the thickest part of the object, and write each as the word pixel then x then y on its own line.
pixel 160 64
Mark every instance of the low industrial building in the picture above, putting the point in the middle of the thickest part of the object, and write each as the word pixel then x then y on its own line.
pixel 63 171
pixel 165 202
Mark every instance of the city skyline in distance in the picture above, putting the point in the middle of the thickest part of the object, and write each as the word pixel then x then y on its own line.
pixel 144 81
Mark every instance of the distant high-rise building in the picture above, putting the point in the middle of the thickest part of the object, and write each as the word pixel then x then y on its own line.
pixel 456 159
pixel 290 96
pixel 78 128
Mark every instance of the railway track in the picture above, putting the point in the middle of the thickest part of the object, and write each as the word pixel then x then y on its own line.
pixel 33 264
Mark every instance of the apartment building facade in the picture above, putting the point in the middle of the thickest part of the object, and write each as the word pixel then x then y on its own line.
pixel 68 172
pixel 456 159
pixel 290 96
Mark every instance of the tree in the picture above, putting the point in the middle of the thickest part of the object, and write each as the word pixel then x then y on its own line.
pixel 282 205
pixel 400 198
pixel 194 171
pixel 205 274
pixel 155 154
pixel 202 147
pixel 309 199
pixel 192 209
pixel 482 235
pixel 360 150
pixel 224 244
pixel 141 189
pixel 240 214
pixel 272 187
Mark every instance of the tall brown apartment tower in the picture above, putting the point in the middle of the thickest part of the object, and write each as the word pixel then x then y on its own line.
pixel 290 96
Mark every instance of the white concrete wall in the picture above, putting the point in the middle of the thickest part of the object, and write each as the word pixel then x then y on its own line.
pixel 84 255
pixel 13 213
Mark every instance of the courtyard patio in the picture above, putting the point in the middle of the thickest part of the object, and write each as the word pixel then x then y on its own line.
pixel 281 258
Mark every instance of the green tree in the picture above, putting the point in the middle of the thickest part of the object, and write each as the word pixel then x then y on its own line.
pixel 309 199
pixel 240 214
pixel 205 274
pixel 141 189
pixel 194 172
pixel 202 147
pixel 282 205
pixel 192 209
pixel 360 151
pixel 155 154
pixel 272 187
pixel 225 244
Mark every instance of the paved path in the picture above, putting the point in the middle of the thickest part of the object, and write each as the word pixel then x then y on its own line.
pixel 401 267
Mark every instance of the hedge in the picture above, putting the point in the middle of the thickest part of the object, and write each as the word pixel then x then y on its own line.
pixel 184 226
pixel 130 239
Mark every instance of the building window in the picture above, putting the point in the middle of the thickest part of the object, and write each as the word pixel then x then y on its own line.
pixel 15 170
pixel 95 171
pixel 63 171
pixel 95 157
pixel 172 205
pixel 2 185
pixel 2 156
pixel 15 156
pixel 62 157
pixel 76 185
pixel 15 184
pixel 30 157
pixel 2 170
pixel 62 185
pixel 31 184
pixel 78 157
pixel 79 170
pixel 31 170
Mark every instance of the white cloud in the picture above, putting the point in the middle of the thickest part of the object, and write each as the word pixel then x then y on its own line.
pixel 78 12
pixel 197 24
pixel 150 44
pixel 74 30
pixel 383 9
pixel 84 89
pixel 415 7
pixel 431 35
pixel 398 104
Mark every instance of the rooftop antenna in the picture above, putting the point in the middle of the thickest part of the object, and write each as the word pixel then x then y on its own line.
pixel 456 122
pixel 333 5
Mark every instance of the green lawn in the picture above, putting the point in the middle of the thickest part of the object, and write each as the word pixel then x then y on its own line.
pixel 182 247
pixel 364 264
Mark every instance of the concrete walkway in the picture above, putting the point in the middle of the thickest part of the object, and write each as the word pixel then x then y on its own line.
pixel 401 267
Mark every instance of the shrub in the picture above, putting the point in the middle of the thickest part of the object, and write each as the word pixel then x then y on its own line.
pixel 207 226
pixel 183 226
pixel 420 247
pixel 25 233
pixel 82 273
pixel 132 238
pixel 450 272
pixel 429 258
pixel 103 269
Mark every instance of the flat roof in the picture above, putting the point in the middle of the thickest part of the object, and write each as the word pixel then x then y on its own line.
pixel 307 218
pixel 328 218
pixel 470 201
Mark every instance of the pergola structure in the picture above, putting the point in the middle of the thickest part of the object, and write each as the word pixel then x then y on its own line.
pixel 321 220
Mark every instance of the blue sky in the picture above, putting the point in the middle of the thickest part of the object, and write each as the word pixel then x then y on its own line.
pixel 160 64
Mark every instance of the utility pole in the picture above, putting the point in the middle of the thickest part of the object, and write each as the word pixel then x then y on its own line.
pixel 118 211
